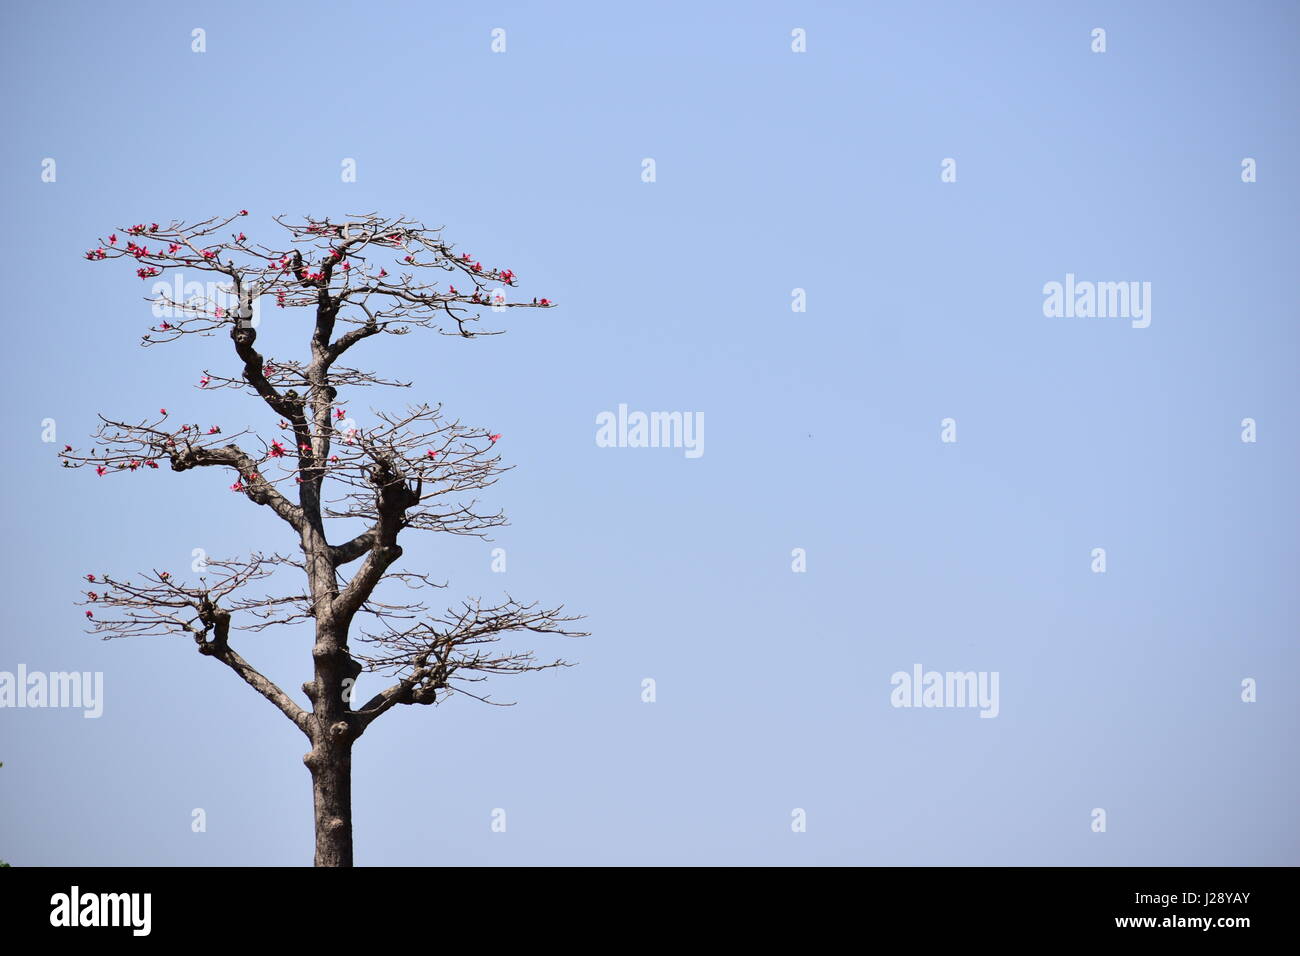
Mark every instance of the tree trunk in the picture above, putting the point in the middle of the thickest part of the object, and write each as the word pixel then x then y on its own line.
pixel 331 786
pixel 332 736
pixel 333 730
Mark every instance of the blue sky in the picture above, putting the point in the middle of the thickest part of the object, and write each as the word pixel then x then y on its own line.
pixel 775 171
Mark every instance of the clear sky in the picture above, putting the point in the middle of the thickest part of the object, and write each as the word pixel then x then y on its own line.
pixel 775 171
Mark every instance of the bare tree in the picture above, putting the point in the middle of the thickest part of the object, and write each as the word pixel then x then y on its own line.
pixel 407 470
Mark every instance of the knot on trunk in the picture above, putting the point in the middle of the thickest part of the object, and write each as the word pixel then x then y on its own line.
pixel 215 619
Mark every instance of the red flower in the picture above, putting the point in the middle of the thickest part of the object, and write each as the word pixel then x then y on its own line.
pixel 340 413
pixel 90 614
pixel 237 486
pixel 93 596
pixel 203 382
pixel 90 578
pixel 101 471
pixel 277 450
pixel 112 240
pixel 164 575
pixel 67 448
pixel 243 212
pixel 151 463
pixel 214 430
pixel 162 411
pixel 493 438
pixel 431 454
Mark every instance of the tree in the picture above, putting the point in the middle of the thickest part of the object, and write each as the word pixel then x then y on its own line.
pixel 404 471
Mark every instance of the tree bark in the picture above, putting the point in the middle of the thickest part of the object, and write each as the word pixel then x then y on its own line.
pixel 331 784
pixel 333 732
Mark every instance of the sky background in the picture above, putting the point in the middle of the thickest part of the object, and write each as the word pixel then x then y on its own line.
pixel 775 171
